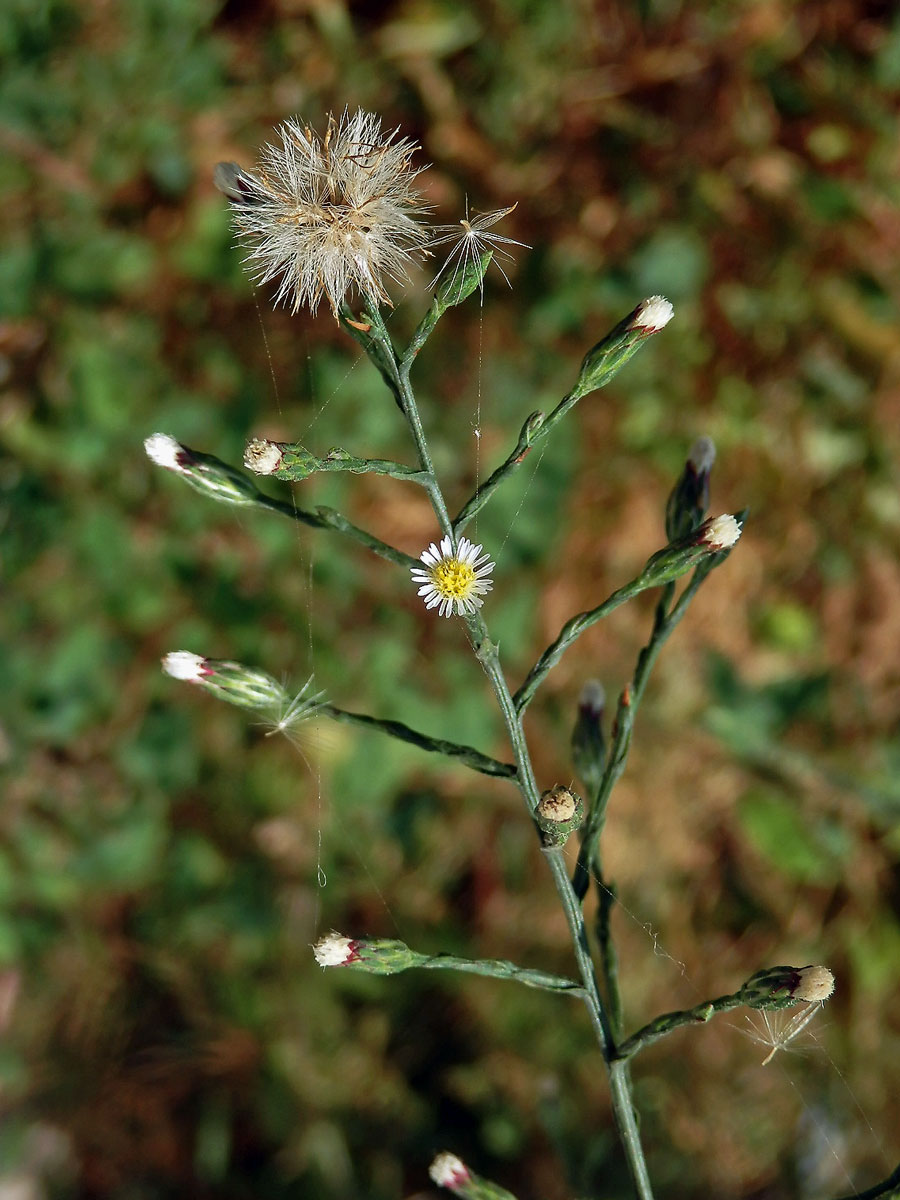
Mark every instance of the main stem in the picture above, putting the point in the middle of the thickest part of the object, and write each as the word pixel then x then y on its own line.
pixel 407 400
pixel 620 1084
pixel 486 652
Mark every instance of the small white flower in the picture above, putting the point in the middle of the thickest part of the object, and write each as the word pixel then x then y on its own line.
pixel 471 240
pixel 182 664
pixel 449 1171
pixel 720 533
pixel 329 215
pixel 653 314
pixel 333 950
pixel 164 451
pixel 453 577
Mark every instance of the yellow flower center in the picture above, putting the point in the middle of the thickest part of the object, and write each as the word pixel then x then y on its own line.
pixel 453 579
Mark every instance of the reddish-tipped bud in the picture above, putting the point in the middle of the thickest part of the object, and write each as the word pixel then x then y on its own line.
pixel 652 314
pixel 334 950
pixel 779 987
pixel 451 1172
pixel 207 474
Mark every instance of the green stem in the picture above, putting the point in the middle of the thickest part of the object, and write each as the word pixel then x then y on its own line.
pixel 663 625
pixel 623 1108
pixel 665 1024
pixel 601 364
pixel 572 630
pixel 501 969
pixel 406 399
pixel 527 437
pixel 297 464
pixel 609 960
pixel 329 518
pixel 464 754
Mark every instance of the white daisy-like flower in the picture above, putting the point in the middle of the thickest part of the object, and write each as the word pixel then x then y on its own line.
pixel 470 240
pixel 329 214
pixel 453 577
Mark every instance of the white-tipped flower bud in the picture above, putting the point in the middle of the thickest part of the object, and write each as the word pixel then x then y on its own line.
pixel 816 983
pixel 334 950
pixel 653 314
pixel 703 455
pixel 204 472
pixel 588 742
pixel 182 664
pixel 719 533
pixel 689 499
pixel 448 1171
pixel 164 451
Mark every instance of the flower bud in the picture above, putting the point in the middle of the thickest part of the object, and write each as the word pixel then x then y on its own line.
pixel 282 460
pixel 611 354
pixel 458 285
pixel 673 561
pixel 375 956
pixel 449 1171
pixel 588 742
pixel 779 987
pixel 263 457
pixel 231 681
pixel 689 499
pixel 333 950
pixel 207 474
pixel 558 813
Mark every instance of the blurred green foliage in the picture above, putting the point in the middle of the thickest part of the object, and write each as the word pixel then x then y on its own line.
pixel 164 865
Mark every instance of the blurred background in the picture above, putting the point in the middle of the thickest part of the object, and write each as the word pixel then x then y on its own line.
pixel 165 866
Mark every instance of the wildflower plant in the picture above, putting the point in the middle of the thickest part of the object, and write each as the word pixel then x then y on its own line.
pixel 337 217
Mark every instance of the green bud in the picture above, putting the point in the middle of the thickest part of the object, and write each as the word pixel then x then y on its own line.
pixel 612 353
pixel 375 956
pixel 231 681
pixel 207 474
pixel 673 561
pixel 689 499
pixel 462 282
pixel 588 742
pixel 780 987
pixel 559 812
pixel 450 1172
pixel 282 460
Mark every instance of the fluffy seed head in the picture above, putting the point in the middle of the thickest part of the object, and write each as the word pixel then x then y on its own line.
pixel 327 215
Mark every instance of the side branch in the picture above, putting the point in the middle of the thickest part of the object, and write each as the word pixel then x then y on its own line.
pixel 329 518
pixel 467 755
